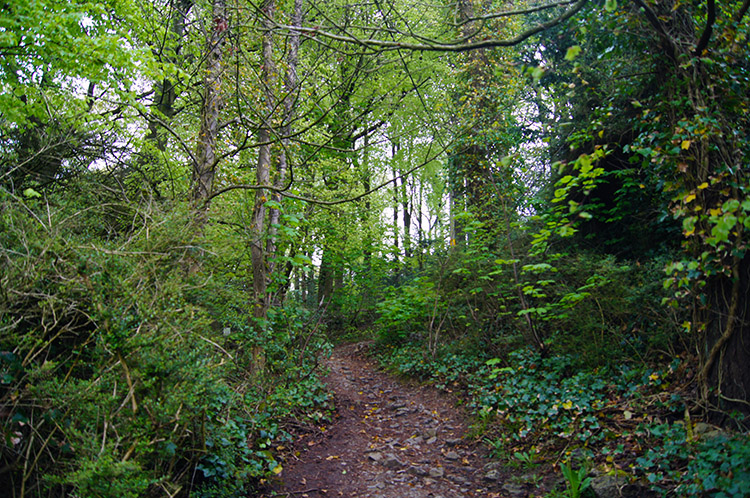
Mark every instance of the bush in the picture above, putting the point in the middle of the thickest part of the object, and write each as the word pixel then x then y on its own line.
pixel 116 378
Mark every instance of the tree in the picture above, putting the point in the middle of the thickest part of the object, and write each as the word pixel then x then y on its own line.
pixel 669 124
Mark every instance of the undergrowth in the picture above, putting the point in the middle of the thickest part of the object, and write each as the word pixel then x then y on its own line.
pixel 123 362
pixel 627 419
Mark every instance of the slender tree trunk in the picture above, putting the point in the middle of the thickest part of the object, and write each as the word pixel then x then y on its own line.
pixel 420 232
pixel 258 255
pixel 206 159
pixel 166 94
pixel 406 211
pixel 291 84
pixel 325 278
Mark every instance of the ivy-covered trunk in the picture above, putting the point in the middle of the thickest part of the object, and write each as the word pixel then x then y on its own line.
pixel 707 162
pixel 727 353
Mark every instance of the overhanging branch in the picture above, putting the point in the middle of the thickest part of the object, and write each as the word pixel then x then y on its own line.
pixel 438 46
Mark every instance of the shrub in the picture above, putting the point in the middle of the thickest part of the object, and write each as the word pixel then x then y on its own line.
pixel 116 379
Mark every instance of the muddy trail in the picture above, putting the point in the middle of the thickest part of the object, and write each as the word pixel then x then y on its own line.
pixel 388 439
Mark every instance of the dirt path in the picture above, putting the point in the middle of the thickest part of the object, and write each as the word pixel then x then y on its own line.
pixel 388 440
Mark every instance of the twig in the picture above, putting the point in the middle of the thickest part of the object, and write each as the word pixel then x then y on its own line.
pixel 131 392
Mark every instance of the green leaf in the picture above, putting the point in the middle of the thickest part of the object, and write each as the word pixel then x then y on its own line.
pixel 572 52
pixel 537 73
pixel 610 5
pixel 31 193
pixel 730 206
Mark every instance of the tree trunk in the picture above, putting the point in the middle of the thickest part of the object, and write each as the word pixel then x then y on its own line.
pixel 258 254
pixel 325 278
pixel 165 96
pixel 291 85
pixel 204 168
pixel 406 211
pixel 725 373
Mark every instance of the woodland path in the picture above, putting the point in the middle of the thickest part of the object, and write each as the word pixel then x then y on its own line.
pixel 388 439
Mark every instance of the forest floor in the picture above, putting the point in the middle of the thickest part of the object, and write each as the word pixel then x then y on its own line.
pixel 390 439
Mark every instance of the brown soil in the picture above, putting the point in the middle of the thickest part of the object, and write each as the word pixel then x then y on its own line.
pixel 388 439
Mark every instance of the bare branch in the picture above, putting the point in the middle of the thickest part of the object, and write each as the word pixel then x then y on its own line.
pixel 357 197
pixel 437 46
pixel 511 13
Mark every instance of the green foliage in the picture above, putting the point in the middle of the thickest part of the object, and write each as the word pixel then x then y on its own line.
pixel 404 311
pixel 576 481
pixel 713 465
pixel 536 395
pixel 117 378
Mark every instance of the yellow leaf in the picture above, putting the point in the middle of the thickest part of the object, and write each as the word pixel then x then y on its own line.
pixel 567 405
pixel 703 185
pixel 277 470
pixel 689 198
pixel 714 211
pixel 653 376
pixel 685 144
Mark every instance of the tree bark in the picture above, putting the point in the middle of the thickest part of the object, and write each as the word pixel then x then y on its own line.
pixel 258 256
pixel 204 168
pixel 291 84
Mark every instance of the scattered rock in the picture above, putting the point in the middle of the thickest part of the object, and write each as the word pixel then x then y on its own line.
pixel 392 462
pixel 514 490
pixel 458 479
pixel 702 428
pixel 392 440
pixel 607 486
pixel 492 476
pixel 452 455
pixel 418 471
pixel 436 472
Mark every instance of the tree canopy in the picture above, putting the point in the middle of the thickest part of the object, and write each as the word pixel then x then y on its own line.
pixel 197 198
